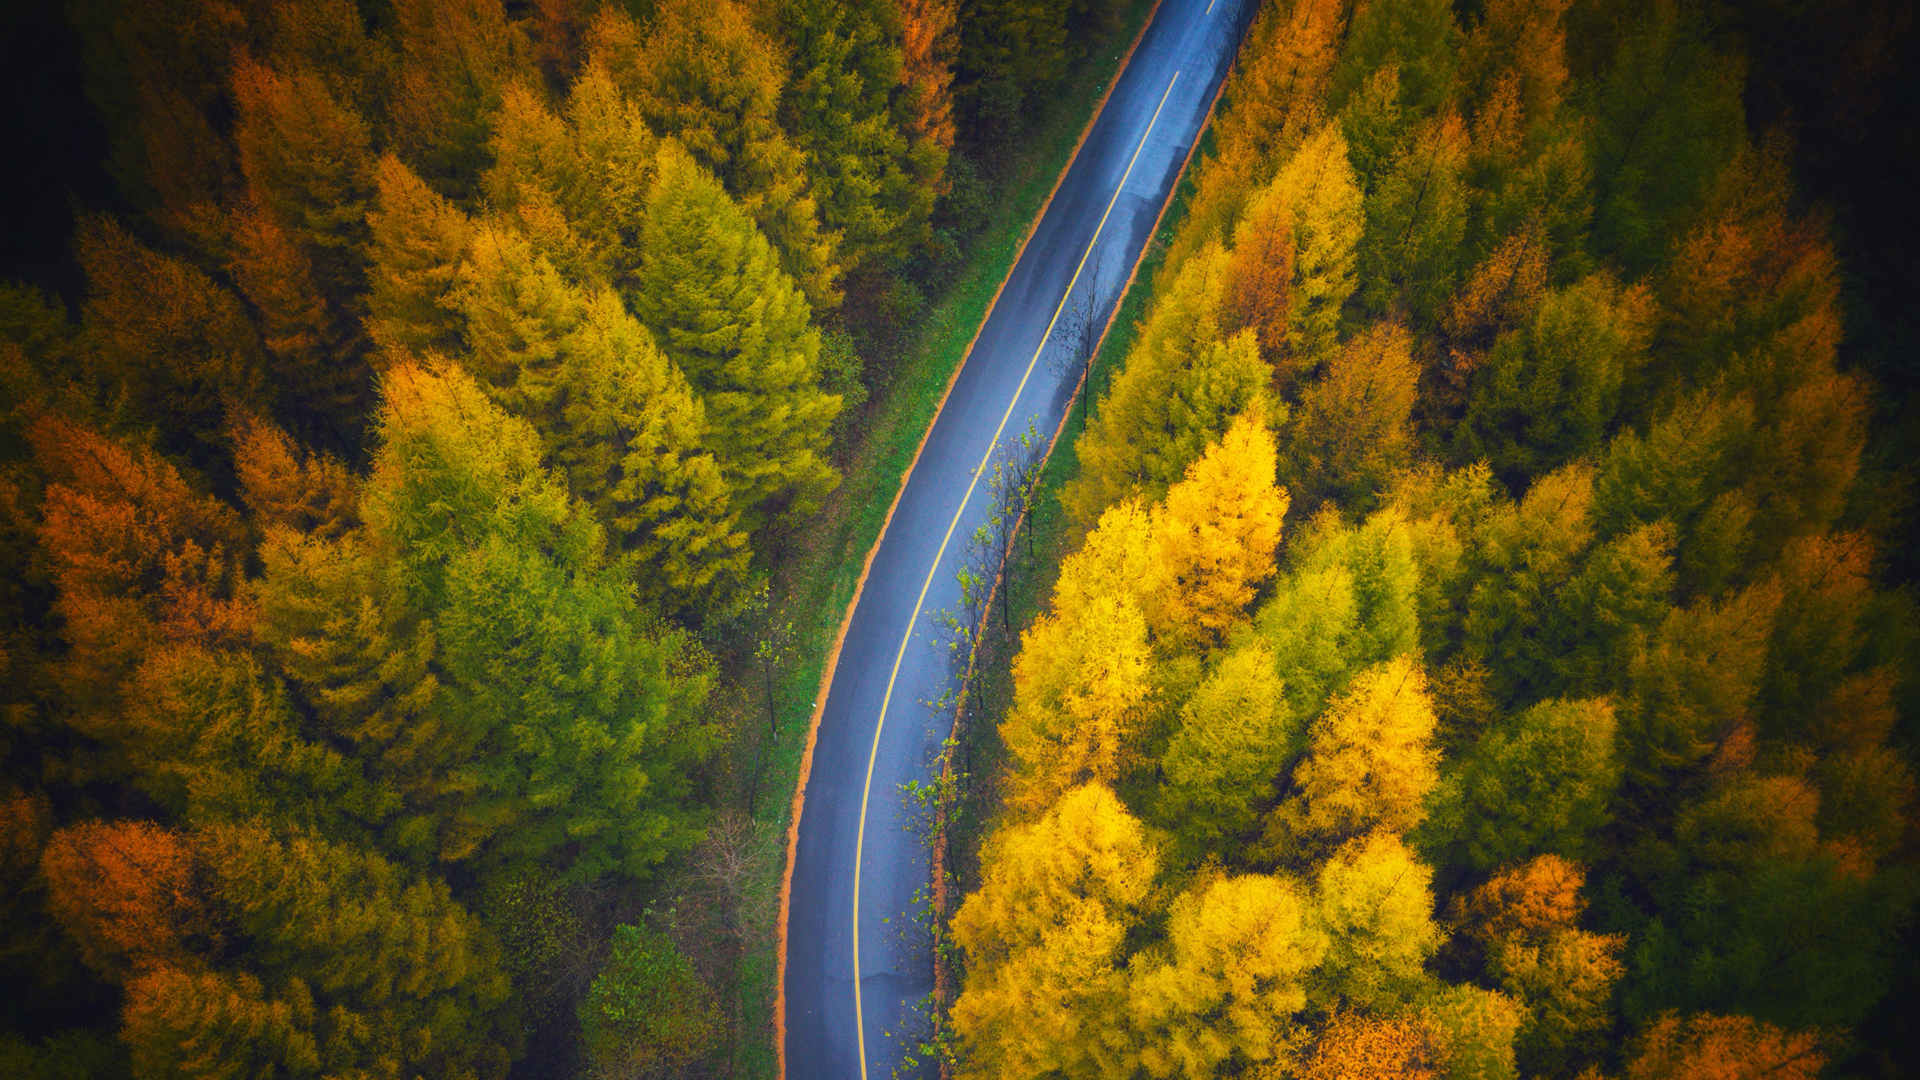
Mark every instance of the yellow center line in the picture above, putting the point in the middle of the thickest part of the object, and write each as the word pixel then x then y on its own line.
pixel 860 843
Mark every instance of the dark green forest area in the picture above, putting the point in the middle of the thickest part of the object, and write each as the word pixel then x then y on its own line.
pixel 1481 639
pixel 407 410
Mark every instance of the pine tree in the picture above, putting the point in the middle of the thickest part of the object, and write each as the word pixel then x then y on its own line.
pixel 1538 783
pixel 456 59
pixel 1181 386
pixel 1409 257
pixel 1242 952
pixel 1724 1048
pixel 1523 918
pixel 1666 118
pixel 1270 106
pixel 1235 735
pixel 125 893
pixel 1377 912
pixel 1354 427
pixel 705 76
pixel 419 240
pixel 1418 36
pixel 1370 763
pixel 738 327
pixel 481 655
pixel 1550 392
pixel 177 347
pixel 1082 675
pixel 1214 536
pixel 138 558
pixel 874 186
pixel 1044 937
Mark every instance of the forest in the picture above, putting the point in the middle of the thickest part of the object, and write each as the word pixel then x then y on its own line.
pixel 1481 646
pixel 1481 631
pixel 408 412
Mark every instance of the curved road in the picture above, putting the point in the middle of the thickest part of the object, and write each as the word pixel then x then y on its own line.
pixel 856 868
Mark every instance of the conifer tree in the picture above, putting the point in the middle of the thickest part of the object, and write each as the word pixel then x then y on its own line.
pixel 1214 535
pixel 138 558
pixel 1044 937
pixel 178 348
pixel 1270 105
pixel 1082 674
pixel 419 240
pixel 1524 920
pixel 480 654
pixel 704 75
pixel 1235 735
pixel 1377 912
pixel 873 183
pixel 1724 1048
pixel 1409 257
pixel 1666 118
pixel 1354 426
pixel 739 328
pixel 1549 393
pixel 456 59
pixel 1418 36
pixel 1180 388
pixel 1242 952
pixel 1538 783
pixel 929 40
pixel 1319 185
pixel 1370 763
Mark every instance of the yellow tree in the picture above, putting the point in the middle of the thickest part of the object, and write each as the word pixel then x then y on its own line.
pixel 1370 762
pixel 1376 908
pixel 1044 937
pixel 1271 103
pixel 1182 384
pixel 1214 537
pixel 1082 675
pixel 1239 953
pixel 419 240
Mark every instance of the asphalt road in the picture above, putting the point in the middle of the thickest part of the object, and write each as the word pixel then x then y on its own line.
pixel 857 867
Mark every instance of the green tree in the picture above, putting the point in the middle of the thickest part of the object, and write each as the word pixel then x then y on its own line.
pixel 1418 36
pixel 614 415
pixel 1181 386
pixel 704 75
pixel 1537 783
pixel 740 329
pixel 1666 117
pixel 1549 393
pixel 1235 735
pixel 1409 257
pixel 480 654
pixel 874 183
pixel 419 239
pixel 647 1010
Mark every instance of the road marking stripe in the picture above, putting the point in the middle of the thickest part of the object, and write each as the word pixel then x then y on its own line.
pixel 866 791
